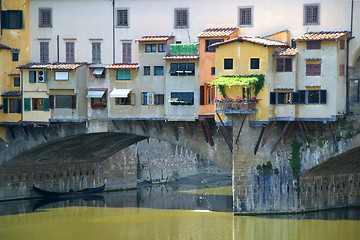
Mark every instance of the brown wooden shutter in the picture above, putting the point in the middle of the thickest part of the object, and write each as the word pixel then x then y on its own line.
pixel 126 52
pixel 51 102
pixel 202 95
pixel 73 101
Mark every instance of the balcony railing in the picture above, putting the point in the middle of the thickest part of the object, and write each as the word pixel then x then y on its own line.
pixel 235 107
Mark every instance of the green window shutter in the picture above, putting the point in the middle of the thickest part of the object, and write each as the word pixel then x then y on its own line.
pixel 19 105
pixel 123 75
pixel 4 19
pixel 6 105
pixel 32 76
pixel 21 19
pixel 27 104
pixel 46 104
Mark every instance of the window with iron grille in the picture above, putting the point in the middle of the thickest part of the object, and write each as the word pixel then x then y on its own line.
pixel 181 18
pixel 70 52
pixel 45 17
pixel 284 65
pixel 126 52
pixel 44 52
pixel 96 52
pixel 311 14
pixel 12 19
pixel 245 16
pixel 122 18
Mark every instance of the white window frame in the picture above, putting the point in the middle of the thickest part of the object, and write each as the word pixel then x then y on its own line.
pixel 61 76
pixel 251 17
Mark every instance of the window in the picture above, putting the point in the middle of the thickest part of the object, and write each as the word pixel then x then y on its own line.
pixel 283 64
pixel 96 52
pixel 124 101
pixel 210 42
pixel 313 69
pixel 182 98
pixel 150 47
pixel 15 56
pixel 311 14
pixel 16 81
pixel 212 70
pixel 123 75
pixel 159 99
pixel 63 101
pixel 181 18
pixel 342 44
pixel 245 16
pixel 342 70
pixel 207 94
pixel 147 98
pixel 14 105
pixel 182 69
pixel 126 52
pixel 284 97
pixel 254 63
pixel 146 70
pixel 158 71
pixel 122 18
pixel 61 75
pixel 45 18
pixel 228 63
pixel 99 72
pixel 12 19
pixel 300 97
pixel 311 45
pixel 70 52
pixel 37 104
pixel 44 52
pixel 32 76
pixel 161 47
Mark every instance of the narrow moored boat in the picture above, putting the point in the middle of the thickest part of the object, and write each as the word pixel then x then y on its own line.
pixel 69 193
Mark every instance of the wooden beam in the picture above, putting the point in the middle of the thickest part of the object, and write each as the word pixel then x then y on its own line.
pixel 282 133
pixel 259 139
pixel 143 126
pixel 115 124
pixel 189 129
pixel 333 134
pixel 175 130
pixel 129 125
pixel 303 134
pixel 32 133
pixel 288 135
pixel 305 128
pixel 268 134
pixel 25 132
pixel 158 126
pixel 208 133
pixel 54 131
pixel 73 127
pixel 242 124
pixel 203 130
pixel 225 133
pixel 42 132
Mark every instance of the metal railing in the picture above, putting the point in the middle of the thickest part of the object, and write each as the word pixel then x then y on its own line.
pixel 235 106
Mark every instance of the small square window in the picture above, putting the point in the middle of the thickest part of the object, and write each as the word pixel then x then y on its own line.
pixel 61 75
pixel 16 81
pixel 181 18
pixel 150 47
pixel 254 63
pixel 146 70
pixel 313 45
pixel 245 17
pixel 213 71
pixel 12 19
pixel 123 75
pixel 15 56
pixel 311 14
pixel 158 70
pixel 313 69
pixel 122 18
pixel 45 17
pixel 228 63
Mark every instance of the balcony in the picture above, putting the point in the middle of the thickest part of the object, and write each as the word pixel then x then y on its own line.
pixel 235 107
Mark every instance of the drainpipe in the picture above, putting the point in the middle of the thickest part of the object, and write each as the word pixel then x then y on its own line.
pixel 347 59
pixel 22 94
pixel 113 10
pixel 58 48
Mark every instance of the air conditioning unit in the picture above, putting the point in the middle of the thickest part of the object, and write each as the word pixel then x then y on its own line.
pixel 42 76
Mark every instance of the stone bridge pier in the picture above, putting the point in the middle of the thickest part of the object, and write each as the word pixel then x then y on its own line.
pixel 295 166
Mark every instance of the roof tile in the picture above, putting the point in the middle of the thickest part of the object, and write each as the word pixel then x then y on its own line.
pixel 52 66
pixel 154 38
pixel 257 40
pixel 287 52
pixel 217 32
pixel 181 57
pixel 329 35
pixel 124 66
pixel 2 46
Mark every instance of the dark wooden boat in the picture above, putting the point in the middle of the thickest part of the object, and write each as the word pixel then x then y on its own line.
pixel 85 191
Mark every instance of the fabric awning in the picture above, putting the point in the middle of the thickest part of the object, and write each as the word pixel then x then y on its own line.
pixel 95 93
pixel 119 93
pixel 98 71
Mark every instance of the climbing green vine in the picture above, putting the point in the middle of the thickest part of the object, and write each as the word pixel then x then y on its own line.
pixel 255 82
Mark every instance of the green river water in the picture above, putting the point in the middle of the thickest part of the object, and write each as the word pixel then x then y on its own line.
pixel 166 212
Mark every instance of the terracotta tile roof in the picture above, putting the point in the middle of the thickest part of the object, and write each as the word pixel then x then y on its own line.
pixel 256 40
pixel 313 36
pixel 217 32
pixel 2 46
pixel 124 66
pixel 52 66
pixel 11 94
pixel 181 57
pixel 154 38
pixel 287 52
